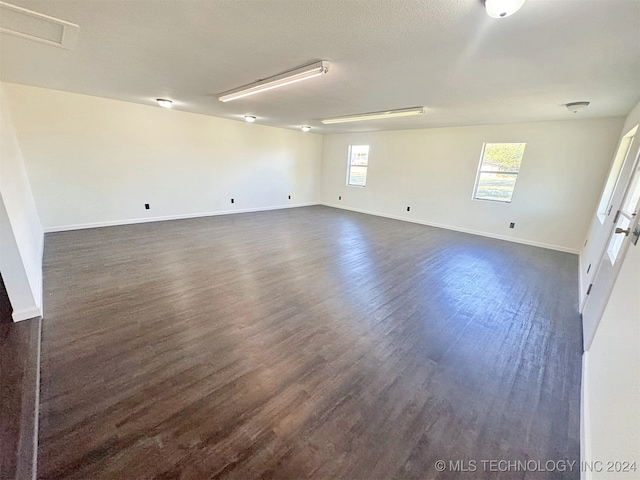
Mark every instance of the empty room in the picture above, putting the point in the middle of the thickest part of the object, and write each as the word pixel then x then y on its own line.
pixel 320 239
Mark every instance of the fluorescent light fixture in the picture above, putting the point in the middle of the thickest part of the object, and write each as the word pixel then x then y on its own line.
pixel 403 112
pixel 164 103
pixel 502 8
pixel 250 118
pixel 305 128
pixel 280 80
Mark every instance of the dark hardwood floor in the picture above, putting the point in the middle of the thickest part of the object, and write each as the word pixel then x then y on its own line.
pixel 18 384
pixel 5 304
pixel 304 343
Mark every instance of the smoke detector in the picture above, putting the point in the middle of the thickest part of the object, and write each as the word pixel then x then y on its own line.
pixel 575 107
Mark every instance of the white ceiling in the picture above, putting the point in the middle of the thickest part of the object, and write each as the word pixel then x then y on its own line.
pixel 448 55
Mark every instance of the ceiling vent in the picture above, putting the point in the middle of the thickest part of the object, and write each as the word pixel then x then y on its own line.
pixel 38 27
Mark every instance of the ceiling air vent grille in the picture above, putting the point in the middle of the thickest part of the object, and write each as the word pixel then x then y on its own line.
pixel 36 26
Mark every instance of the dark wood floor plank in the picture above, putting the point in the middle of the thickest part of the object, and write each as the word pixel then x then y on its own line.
pixel 304 343
pixel 19 343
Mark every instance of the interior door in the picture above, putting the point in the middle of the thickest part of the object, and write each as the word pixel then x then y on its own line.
pixel 602 223
pixel 626 230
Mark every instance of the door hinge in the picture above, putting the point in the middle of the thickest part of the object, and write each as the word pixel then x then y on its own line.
pixel 589 289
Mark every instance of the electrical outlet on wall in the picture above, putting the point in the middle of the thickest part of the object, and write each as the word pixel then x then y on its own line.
pixel 232 200
pixel 512 225
pixel 408 209
pixel 146 206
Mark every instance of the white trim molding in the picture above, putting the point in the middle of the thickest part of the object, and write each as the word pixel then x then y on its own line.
pixel 585 432
pixel 36 413
pixel 26 314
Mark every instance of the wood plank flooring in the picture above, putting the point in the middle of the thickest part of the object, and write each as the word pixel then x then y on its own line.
pixel 5 304
pixel 304 343
pixel 18 386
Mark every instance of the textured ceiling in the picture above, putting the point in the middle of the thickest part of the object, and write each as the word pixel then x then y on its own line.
pixel 448 55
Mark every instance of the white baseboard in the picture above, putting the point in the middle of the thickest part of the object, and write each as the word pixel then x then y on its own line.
pixel 580 281
pixel 585 433
pixel 36 413
pixel 113 223
pixel 82 226
pixel 26 314
pixel 40 294
pixel 458 229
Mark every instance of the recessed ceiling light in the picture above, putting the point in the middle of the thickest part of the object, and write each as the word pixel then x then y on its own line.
pixel 502 8
pixel 250 118
pixel 164 103
pixel 575 107
pixel 305 128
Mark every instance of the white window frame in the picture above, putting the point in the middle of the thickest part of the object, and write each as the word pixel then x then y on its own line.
pixel 604 205
pixel 349 165
pixel 480 171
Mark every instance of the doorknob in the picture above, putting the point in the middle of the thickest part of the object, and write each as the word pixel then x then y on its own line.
pixel 620 230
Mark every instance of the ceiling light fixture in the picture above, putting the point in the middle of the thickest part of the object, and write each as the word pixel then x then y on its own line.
pixel 305 128
pixel 280 80
pixel 403 112
pixel 502 8
pixel 164 103
pixel 250 118
pixel 575 107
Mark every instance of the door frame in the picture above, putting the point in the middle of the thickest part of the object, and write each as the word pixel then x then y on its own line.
pixel 605 225
pixel 616 265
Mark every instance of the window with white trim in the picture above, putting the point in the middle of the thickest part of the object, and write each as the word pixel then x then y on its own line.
pixel 498 171
pixel 605 206
pixel 358 164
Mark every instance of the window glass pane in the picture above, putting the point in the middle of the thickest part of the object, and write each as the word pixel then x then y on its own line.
pixel 498 171
pixel 358 176
pixel 634 194
pixel 502 157
pixel 358 161
pixel 359 154
pixel 496 186
pixel 604 207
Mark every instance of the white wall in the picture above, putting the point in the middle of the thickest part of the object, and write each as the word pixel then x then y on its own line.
pixel 94 161
pixel 434 170
pixel 21 235
pixel 598 233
